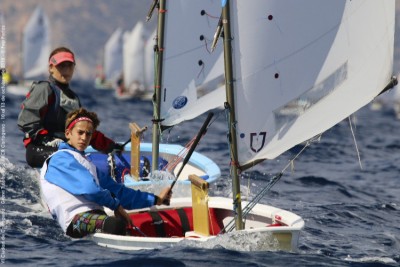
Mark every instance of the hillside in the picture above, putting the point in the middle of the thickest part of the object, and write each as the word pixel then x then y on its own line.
pixel 85 26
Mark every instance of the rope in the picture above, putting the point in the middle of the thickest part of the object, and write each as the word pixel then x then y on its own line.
pixel 251 204
pixel 182 154
pixel 355 143
pixel 179 157
pixel 211 16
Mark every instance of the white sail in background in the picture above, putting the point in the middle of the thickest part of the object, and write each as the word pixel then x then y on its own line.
pixel 2 20
pixel 133 54
pixel 302 66
pixel 149 61
pixel 36 45
pixel 188 61
pixel 113 56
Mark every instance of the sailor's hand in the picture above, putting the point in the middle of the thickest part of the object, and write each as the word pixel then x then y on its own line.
pixel 164 197
pixel 47 140
pixel 121 213
pixel 54 143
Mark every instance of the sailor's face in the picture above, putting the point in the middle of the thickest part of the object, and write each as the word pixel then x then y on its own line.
pixel 63 72
pixel 80 135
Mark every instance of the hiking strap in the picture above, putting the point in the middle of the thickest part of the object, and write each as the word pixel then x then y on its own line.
pixel 158 223
pixel 184 220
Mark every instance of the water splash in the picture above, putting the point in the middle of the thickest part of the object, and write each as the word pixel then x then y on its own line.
pixel 238 241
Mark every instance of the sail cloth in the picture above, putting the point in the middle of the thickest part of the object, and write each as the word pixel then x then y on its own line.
pixel 113 56
pixel 191 80
pixel 36 45
pixel 149 61
pixel 302 66
pixel 133 54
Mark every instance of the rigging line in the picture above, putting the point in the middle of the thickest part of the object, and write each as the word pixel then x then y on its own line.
pixel 251 204
pixel 211 16
pixel 201 70
pixel 355 142
pixel 261 194
pixel 182 154
pixel 179 157
pixel 246 210
pixel 308 143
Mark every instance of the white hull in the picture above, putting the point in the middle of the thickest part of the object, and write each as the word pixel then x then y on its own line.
pixel 260 221
pixel 103 86
pixel 19 88
pixel 143 95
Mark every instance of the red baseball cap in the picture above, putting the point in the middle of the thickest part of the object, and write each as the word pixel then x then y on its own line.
pixel 61 57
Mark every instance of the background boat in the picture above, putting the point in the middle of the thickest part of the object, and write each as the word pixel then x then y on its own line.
pixel 171 154
pixel 35 52
pixel 111 68
pixel 133 63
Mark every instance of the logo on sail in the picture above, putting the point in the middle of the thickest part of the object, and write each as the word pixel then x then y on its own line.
pixel 179 102
pixel 255 140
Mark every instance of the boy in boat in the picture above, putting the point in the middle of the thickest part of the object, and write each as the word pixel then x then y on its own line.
pixel 75 191
pixel 45 108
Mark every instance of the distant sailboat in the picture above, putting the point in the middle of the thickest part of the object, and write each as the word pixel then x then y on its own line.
pixel 36 46
pixel 35 51
pixel 113 59
pixel 149 64
pixel 133 63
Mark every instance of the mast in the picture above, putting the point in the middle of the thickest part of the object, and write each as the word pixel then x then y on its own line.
pixel 229 79
pixel 159 50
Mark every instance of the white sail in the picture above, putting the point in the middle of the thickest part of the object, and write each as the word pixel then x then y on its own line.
pixel 149 61
pixel 133 51
pixel 36 45
pixel 113 56
pixel 188 61
pixel 302 66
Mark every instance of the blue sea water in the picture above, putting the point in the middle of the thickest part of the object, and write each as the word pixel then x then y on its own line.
pixel 352 213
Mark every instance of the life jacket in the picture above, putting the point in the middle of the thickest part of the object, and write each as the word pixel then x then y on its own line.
pixel 59 103
pixel 55 116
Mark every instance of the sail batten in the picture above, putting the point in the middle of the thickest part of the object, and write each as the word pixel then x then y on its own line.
pixel 302 66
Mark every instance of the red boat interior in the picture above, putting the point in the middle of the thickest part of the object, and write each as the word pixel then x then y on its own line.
pixel 171 223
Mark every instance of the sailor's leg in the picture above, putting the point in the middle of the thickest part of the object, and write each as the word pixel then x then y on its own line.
pixel 95 221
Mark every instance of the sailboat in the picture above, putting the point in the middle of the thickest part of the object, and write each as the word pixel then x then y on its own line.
pixel 111 69
pixel 35 52
pixel 298 68
pixel 133 63
pixel 149 66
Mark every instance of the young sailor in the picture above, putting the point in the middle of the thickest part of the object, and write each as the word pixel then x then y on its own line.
pixel 45 108
pixel 75 191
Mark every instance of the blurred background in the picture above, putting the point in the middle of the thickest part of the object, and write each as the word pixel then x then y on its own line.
pixel 85 26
